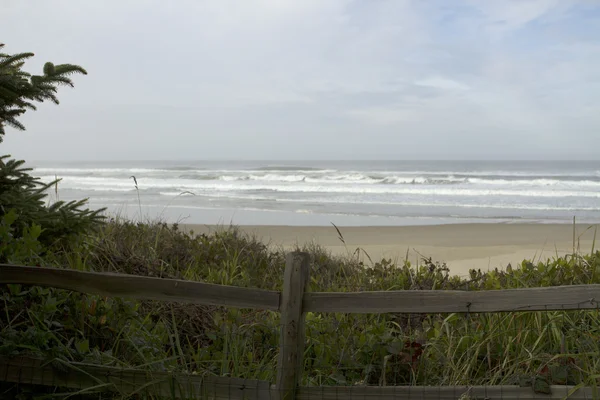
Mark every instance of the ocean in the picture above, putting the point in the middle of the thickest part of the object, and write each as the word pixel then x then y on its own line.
pixel 346 193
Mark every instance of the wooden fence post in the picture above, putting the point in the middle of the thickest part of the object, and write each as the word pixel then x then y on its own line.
pixel 291 339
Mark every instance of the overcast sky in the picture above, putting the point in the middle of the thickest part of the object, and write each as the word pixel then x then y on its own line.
pixel 312 79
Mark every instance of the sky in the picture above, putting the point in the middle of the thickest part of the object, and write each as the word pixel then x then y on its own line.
pixel 312 79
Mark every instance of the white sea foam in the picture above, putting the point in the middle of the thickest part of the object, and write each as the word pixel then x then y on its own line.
pixel 179 185
pixel 356 179
pixel 331 190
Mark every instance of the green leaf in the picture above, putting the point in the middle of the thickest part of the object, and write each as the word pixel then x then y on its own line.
pixel 395 347
pixel 82 346
pixel 35 231
pixel 15 289
pixel 10 217
pixel 338 378
pixel 50 305
pixel 560 373
pixel 541 385
pixel 525 381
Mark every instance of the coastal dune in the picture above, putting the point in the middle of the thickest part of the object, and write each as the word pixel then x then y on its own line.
pixel 461 246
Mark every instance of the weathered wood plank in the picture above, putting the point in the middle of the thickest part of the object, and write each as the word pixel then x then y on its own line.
pixel 438 393
pixel 291 339
pixel 80 376
pixel 24 370
pixel 446 301
pixel 410 301
pixel 141 287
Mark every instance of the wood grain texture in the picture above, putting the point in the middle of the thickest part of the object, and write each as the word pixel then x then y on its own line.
pixel 406 301
pixel 80 376
pixel 446 301
pixel 438 393
pixel 291 339
pixel 141 287
pixel 24 370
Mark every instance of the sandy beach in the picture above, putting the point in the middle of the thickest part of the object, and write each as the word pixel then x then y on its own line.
pixel 461 246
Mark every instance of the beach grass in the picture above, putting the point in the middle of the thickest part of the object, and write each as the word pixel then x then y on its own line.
pixel 340 349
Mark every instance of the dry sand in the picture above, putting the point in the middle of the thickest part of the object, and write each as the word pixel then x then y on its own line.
pixel 461 246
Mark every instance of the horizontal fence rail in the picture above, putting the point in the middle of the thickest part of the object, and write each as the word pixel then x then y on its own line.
pixel 574 297
pixel 141 287
pixel 86 377
pixel 440 393
pixel 292 303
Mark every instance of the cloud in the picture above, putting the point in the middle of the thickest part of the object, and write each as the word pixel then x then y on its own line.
pixel 241 75
pixel 442 83
pixel 508 15
pixel 386 115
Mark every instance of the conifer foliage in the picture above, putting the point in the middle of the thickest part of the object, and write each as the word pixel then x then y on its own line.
pixel 19 90
pixel 19 191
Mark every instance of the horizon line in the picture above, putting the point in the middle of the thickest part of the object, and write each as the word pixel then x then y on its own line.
pixel 310 160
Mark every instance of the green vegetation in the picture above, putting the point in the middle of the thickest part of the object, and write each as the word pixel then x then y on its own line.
pixel 23 198
pixel 19 89
pixel 341 349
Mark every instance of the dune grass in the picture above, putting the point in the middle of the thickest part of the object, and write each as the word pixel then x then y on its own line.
pixel 341 349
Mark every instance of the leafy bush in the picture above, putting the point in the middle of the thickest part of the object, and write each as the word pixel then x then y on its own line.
pixel 22 247
pixel 57 223
pixel 340 349
pixel 48 322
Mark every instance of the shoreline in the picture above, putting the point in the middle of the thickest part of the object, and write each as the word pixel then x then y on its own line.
pixel 462 247
pixel 204 215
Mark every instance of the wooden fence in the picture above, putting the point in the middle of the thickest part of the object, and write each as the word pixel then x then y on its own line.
pixel 292 302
